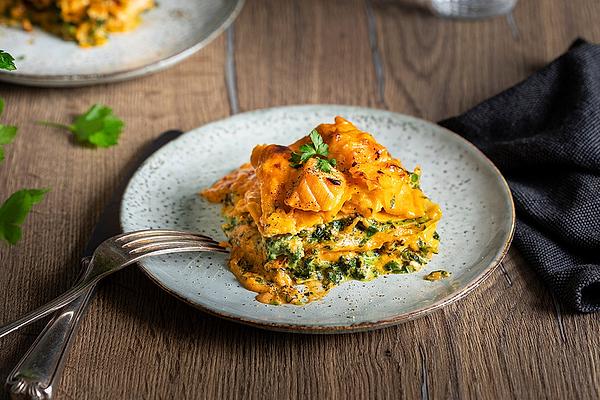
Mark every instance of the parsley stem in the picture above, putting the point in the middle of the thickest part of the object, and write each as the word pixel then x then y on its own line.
pixel 55 125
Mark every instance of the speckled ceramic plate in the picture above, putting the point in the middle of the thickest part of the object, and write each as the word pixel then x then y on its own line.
pixel 169 33
pixel 475 231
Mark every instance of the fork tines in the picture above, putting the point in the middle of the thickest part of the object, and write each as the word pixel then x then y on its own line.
pixel 163 240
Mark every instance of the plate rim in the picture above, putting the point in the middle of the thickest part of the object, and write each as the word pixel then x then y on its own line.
pixel 362 326
pixel 75 80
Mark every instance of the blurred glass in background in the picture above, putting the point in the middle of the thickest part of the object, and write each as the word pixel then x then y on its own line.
pixel 472 8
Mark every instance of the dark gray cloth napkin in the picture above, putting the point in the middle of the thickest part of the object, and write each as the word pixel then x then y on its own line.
pixel 544 135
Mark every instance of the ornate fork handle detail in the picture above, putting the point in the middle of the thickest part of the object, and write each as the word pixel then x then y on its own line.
pixel 40 369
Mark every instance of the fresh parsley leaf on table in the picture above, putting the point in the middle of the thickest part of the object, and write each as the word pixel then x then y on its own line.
pixel 7 61
pixel 317 148
pixel 14 211
pixel 97 127
pixel 7 133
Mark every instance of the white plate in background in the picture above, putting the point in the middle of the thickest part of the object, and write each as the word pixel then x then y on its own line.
pixel 169 33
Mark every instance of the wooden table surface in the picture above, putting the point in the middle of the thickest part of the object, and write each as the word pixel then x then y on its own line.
pixel 508 339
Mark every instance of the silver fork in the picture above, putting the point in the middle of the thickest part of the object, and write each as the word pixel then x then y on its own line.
pixel 115 254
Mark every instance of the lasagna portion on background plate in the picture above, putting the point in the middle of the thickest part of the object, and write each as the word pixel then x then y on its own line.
pixel 88 22
pixel 333 206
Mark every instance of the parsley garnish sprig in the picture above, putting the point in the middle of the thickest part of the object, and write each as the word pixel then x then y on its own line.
pixel 317 148
pixel 97 127
pixel 7 61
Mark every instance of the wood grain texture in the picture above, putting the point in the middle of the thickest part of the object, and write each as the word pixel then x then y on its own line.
pixel 508 339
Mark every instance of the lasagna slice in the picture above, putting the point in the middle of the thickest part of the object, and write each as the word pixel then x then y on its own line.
pixel 88 22
pixel 331 207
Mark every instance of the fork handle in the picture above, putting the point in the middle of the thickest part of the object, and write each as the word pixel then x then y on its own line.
pixel 53 305
pixel 40 369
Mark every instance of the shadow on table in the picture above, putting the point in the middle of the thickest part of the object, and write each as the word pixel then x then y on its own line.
pixel 409 7
pixel 149 305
